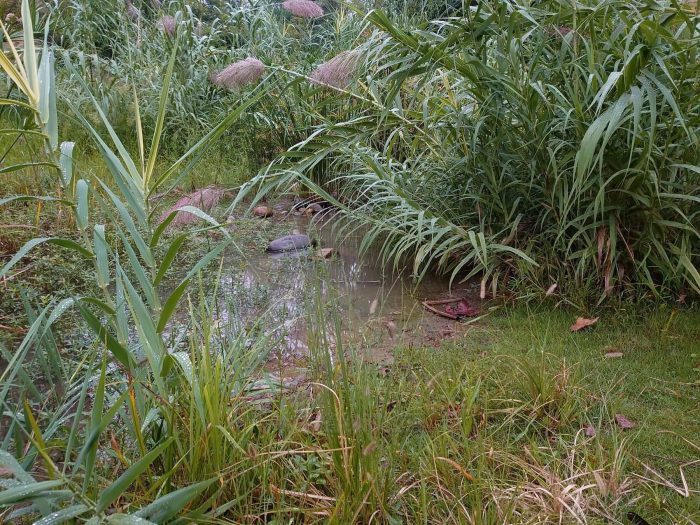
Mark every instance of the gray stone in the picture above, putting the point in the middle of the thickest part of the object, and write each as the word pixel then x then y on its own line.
pixel 289 243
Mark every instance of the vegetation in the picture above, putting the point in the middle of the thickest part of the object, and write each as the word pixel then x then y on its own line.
pixel 527 145
pixel 530 145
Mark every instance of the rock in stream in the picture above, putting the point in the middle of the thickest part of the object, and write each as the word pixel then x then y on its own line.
pixel 289 243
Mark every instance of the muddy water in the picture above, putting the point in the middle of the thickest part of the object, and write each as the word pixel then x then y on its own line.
pixel 375 307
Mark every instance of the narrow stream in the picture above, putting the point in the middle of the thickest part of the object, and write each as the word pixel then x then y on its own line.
pixel 379 309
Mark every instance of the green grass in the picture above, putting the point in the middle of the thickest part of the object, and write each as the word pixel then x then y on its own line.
pixel 173 418
pixel 514 446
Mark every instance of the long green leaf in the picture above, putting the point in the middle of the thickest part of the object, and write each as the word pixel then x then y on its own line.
pixel 117 488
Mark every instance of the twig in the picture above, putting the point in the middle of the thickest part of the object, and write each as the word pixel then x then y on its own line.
pixel 427 305
pixel 444 301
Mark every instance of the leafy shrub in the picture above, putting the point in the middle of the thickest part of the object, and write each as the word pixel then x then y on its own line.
pixel 548 143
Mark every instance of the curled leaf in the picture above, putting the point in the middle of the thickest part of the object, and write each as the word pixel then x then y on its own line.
pixel 582 322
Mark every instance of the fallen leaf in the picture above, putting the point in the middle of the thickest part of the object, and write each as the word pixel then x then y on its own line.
pixel 623 422
pixel 551 289
pixel 582 322
pixel 590 431
pixel 612 355
pixel 462 309
pixel 325 253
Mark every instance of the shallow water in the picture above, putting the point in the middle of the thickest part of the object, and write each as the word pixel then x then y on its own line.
pixel 376 308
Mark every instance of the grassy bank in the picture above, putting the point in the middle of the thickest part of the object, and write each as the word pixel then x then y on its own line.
pixel 544 150
pixel 516 423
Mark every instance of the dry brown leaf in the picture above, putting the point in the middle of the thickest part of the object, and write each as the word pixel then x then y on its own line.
pixel 613 355
pixel 325 253
pixel 551 289
pixel 582 322
pixel 623 422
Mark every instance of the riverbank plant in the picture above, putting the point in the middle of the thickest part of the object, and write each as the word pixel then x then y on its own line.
pixel 157 404
pixel 531 145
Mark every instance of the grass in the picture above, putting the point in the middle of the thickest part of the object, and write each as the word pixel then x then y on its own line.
pixel 471 401
pixel 144 406
pixel 445 434
pixel 526 144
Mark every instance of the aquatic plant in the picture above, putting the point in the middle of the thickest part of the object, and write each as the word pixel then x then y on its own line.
pixel 488 145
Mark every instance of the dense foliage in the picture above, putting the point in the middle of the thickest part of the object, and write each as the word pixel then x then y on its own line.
pixel 545 143
pixel 528 144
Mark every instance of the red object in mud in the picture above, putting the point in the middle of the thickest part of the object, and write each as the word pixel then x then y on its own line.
pixel 462 309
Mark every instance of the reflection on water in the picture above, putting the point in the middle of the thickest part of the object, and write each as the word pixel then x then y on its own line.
pixel 377 308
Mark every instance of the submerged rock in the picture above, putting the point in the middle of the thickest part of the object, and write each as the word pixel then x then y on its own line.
pixel 289 243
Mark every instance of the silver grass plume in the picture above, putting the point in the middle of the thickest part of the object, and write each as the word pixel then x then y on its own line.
pixel 338 71
pixel 239 74
pixel 168 25
pixel 133 11
pixel 303 8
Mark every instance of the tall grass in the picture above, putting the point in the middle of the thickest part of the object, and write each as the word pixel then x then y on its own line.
pixel 113 53
pixel 147 424
pixel 530 145
pixel 116 232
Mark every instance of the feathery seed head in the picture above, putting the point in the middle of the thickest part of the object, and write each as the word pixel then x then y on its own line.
pixel 303 8
pixel 133 11
pixel 168 25
pixel 239 74
pixel 338 71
